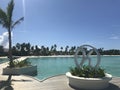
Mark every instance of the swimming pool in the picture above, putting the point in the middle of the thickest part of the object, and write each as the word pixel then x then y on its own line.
pixel 3 60
pixel 50 66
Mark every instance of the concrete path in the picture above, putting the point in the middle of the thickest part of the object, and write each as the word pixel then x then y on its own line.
pixel 54 83
pixel 61 83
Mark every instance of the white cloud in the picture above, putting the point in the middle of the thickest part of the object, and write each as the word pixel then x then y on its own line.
pixel 114 37
pixel 4 39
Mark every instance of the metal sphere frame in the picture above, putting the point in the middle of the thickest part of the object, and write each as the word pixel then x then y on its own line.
pixel 85 56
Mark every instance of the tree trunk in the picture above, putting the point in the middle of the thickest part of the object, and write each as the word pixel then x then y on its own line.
pixel 10 53
pixel 10 49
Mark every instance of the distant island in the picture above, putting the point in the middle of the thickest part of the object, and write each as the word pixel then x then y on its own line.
pixel 26 49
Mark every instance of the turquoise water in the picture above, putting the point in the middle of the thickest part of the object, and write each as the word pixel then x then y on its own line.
pixel 3 60
pixel 50 66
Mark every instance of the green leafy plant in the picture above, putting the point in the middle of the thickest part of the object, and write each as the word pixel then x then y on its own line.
pixel 23 63
pixel 88 72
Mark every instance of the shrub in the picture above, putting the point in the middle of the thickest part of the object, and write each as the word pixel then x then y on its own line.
pixel 21 63
pixel 88 72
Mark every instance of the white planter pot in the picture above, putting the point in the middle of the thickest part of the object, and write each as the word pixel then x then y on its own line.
pixel 88 83
pixel 28 70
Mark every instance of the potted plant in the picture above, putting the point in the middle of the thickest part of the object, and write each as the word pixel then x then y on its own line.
pixel 88 76
pixel 20 67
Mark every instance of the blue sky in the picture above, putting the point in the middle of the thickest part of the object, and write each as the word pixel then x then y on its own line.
pixel 67 22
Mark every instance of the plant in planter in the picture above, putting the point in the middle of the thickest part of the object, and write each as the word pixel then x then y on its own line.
pixel 19 64
pixel 88 72
pixel 20 67
pixel 88 76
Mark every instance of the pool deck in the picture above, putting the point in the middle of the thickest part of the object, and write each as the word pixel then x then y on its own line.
pixel 54 83
pixel 60 82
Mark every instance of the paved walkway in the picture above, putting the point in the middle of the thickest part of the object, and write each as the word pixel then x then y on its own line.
pixel 55 83
pixel 61 83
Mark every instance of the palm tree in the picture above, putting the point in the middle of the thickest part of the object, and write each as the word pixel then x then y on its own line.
pixel 7 22
pixel 55 51
pixel 61 50
pixel 66 50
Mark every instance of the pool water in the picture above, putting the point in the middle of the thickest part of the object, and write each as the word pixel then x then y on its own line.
pixel 3 60
pixel 50 66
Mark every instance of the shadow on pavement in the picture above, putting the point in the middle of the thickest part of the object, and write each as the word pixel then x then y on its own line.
pixel 4 85
pixel 112 87
pixel 22 80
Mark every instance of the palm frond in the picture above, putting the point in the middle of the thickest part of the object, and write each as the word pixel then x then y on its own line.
pixel 17 22
pixel 3 18
pixel 10 11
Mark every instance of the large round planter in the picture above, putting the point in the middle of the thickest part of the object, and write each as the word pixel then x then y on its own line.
pixel 88 83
